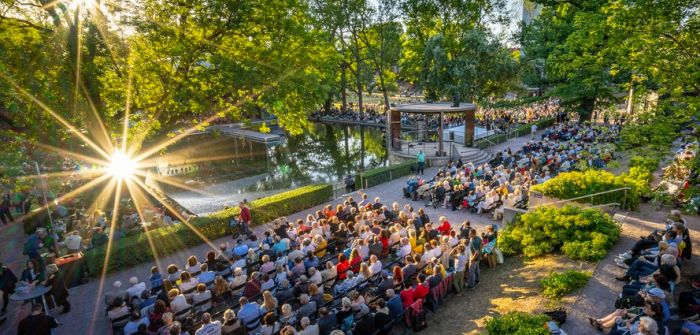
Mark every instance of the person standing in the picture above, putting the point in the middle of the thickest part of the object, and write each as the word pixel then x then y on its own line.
pixel 460 264
pixel 421 162
pixel 5 213
pixel 474 259
pixel 245 216
pixel 533 130
pixel 59 292
pixel 37 323
pixel 8 280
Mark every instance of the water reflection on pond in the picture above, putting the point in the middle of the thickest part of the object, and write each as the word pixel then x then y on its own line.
pixel 229 169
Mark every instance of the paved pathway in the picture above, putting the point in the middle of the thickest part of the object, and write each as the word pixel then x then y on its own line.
pixel 87 314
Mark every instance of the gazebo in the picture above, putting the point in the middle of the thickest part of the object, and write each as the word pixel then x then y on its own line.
pixel 466 109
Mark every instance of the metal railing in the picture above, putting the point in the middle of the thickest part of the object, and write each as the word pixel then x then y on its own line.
pixel 588 196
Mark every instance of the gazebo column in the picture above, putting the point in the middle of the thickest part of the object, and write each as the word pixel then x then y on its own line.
pixel 469 125
pixel 395 125
pixel 440 135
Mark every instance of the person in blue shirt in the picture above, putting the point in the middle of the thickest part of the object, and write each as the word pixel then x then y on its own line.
pixel 420 157
pixel 240 249
pixel 393 303
pixel 156 280
pixel 205 276
pixel 249 314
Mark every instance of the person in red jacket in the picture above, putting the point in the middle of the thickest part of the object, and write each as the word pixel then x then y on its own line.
pixel 421 290
pixel 342 267
pixel 355 260
pixel 245 216
pixel 407 297
pixel 444 227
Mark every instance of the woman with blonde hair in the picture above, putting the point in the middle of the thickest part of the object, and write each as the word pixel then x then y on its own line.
pixel 231 324
pixel 269 303
pixel 220 290
pixel 193 265
pixel 355 260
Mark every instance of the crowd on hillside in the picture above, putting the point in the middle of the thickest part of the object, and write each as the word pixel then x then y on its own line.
pixel 361 267
pixel 496 119
pixel 501 119
pixel 647 303
pixel 506 179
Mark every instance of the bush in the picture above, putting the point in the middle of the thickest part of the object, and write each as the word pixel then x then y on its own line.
pixel 645 162
pixel 575 184
pixel 518 323
pixel 139 248
pixel 384 174
pixel 560 284
pixel 580 233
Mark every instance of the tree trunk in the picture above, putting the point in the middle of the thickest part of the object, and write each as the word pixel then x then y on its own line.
pixel 344 86
pixel 359 87
pixel 386 94
pixel 586 109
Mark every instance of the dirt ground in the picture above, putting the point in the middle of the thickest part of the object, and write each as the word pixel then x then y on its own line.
pixel 511 286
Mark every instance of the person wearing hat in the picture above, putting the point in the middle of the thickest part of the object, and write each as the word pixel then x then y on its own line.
pixel 59 292
pixel 74 242
pixel 8 280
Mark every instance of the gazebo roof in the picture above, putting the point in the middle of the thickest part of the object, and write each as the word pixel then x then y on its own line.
pixel 429 108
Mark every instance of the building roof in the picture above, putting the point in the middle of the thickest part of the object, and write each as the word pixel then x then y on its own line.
pixel 427 108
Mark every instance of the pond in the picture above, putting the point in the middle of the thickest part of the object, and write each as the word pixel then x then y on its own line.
pixel 222 170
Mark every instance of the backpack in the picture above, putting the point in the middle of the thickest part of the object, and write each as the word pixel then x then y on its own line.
pixel 419 321
pixel 557 315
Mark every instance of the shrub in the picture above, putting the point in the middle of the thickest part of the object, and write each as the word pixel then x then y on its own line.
pixel 580 233
pixel 384 174
pixel 560 284
pixel 139 248
pixel 645 162
pixel 518 323
pixel 575 184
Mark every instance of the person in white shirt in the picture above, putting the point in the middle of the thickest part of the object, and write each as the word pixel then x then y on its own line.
pixel 136 288
pixel 74 242
pixel 375 265
pixel 405 249
pixel 178 302
pixel 209 327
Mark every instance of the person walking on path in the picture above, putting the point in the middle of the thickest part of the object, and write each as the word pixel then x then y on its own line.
pixel 421 162
pixel 8 280
pixel 245 217
pixel 5 213
pixel 533 130
pixel 58 293
pixel 474 258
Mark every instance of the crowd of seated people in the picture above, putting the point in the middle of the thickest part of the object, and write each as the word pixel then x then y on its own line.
pixel 647 303
pixel 359 267
pixel 506 179
pixel 497 119
pixel 503 118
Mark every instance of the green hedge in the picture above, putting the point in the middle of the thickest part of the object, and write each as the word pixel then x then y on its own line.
pixel 518 323
pixel 521 130
pixel 580 233
pixel 574 184
pixel 559 284
pixel 382 175
pixel 136 249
